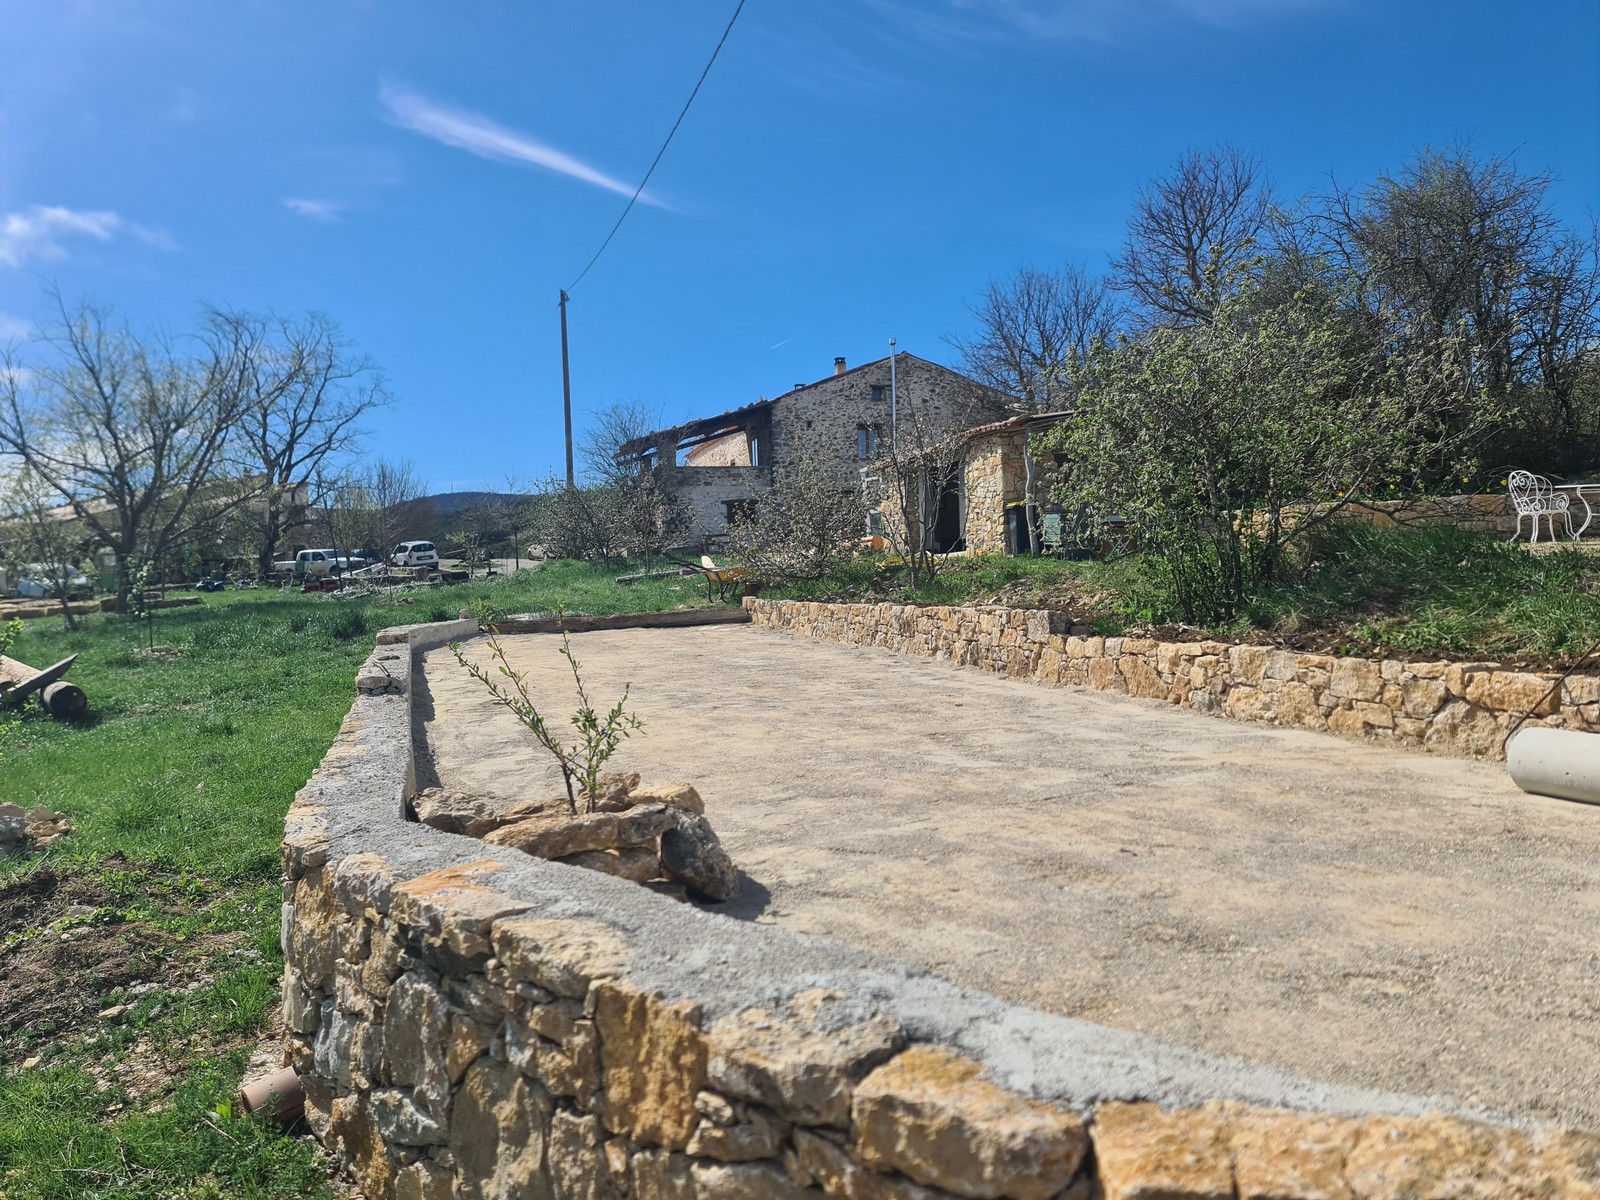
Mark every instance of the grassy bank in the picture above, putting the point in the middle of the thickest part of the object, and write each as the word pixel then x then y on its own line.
pixel 139 958
pixel 1428 593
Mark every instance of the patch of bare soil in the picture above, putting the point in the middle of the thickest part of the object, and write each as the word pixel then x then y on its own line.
pixel 68 942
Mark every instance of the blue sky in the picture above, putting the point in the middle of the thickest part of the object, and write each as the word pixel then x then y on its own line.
pixel 853 170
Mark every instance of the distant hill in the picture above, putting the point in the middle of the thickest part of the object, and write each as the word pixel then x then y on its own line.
pixel 446 503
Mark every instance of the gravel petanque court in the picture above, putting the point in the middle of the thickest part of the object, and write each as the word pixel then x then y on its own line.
pixel 1350 913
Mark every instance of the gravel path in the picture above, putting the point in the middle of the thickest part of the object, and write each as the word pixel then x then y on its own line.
pixel 1353 914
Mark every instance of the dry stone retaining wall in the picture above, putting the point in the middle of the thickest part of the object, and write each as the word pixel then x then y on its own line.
pixel 1456 707
pixel 469 1022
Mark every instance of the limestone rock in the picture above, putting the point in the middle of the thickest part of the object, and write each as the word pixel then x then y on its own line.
pixel 1444 1156
pixel 1466 729
pixel 1279 1154
pixel 423 1180
pixel 614 789
pixel 397 1115
pixel 693 855
pixel 459 812
pixel 653 1057
pixel 353 1136
pixel 1144 1152
pixel 565 956
pixel 633 863
pixel 755 1134
pixel 801 1061
pixel 416 1027
pixel 498 1129
pixel 556 835
pixel 13 829
pixel 577 1165
pixel 661 1175
pixel 820 1161
pixel 673 795
pixel 930 1114
pixel 746 1181
pixel 34 829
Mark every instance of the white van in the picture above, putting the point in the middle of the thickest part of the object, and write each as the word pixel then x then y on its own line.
pixel 414 554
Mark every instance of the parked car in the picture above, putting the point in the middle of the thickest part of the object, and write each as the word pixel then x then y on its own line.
pixel 414 554
pixel 317 563
pixel 37 581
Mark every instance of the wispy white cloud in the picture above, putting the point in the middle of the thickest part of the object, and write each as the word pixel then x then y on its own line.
pixel 479 135
pixel 39 232
pixel 43 231
pixel 958 22
pixel 315 210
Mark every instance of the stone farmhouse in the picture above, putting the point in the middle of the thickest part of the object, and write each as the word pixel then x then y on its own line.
pixel 716 467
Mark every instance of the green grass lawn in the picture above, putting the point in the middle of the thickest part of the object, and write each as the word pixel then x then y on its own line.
pixel 1415 593
pixel 177 786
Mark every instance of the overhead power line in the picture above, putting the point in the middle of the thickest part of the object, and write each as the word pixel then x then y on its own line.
pixel 655 161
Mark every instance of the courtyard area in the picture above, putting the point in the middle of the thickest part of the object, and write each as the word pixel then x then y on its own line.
pixel 1354 914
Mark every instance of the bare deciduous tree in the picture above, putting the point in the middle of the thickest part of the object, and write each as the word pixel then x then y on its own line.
pixel 1037 330
pixel 303 391
pixel 126 430
pixel 1191 233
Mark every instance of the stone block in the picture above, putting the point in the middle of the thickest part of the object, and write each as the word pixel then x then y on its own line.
pixel 653 1059
pixel 564 956
pixel 1465 729
pixel 1144 1153
pixel 1249 663
pixel 575 1161
pixel 1355 679
pixel 1103 674
pixel 660 1175
pixel 499 1124
pixel 1513 692
pixel 755 1135
pixel 803 1060
pixel 453 906
pixel 1400 1158
pixel 1297 705
pixel 1142 679
pixel 353 1137
pixel 746 1181
pixel 1289 1156
pixel 310 926
pixel 670 795
pixel 402 1120
pixel 931 1115
pixel 362 884
pixel 1421 698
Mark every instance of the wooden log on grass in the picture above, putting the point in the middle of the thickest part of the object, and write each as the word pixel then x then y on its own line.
pixel 63 701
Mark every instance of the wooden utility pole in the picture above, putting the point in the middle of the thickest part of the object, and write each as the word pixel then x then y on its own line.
pixel 566 389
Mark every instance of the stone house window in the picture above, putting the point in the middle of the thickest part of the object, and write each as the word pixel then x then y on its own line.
pixel 866 443
pixel 738 511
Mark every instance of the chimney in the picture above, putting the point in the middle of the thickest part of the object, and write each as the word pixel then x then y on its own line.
pixel 838 365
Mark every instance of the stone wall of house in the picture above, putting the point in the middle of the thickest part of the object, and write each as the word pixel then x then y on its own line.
pixel 994 474
pixel 823 418
pixel 702 495
pixel 1461 708
pixel 471 1022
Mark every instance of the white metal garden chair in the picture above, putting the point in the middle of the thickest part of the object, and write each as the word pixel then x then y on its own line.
pixel 1533 497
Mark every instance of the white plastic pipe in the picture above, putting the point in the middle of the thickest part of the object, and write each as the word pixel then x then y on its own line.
pixel 1556 762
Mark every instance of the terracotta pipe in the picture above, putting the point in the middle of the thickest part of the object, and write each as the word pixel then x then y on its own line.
pixel 277 1096
pixel 64 701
